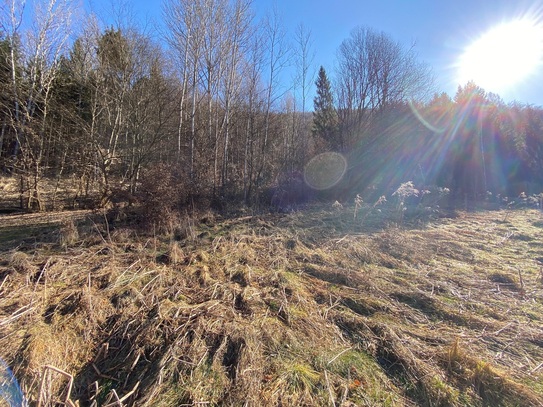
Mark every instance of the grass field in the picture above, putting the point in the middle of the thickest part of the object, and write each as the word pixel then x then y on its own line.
pixel 311 308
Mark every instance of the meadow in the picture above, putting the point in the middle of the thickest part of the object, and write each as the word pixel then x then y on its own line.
pixel 355 304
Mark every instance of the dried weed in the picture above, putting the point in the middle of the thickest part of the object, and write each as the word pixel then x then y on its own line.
pixel 298 309
pixel 68 234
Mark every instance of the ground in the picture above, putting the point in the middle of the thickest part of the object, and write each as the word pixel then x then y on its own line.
pixel 331 305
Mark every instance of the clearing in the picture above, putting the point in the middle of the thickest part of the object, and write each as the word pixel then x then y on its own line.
pixel 311 308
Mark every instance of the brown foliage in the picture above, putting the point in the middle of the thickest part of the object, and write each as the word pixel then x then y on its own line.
pixel 163 193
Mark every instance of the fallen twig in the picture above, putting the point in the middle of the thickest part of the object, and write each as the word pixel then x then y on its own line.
pixel 332 400
pixel 42 273
pixel 339 354
pixel 105 376
pixel 499 331
pixel 119 401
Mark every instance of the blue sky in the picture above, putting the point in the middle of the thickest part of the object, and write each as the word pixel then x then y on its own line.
pixel 441 29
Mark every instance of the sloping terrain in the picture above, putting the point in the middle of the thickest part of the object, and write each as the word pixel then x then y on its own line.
pixel 317 307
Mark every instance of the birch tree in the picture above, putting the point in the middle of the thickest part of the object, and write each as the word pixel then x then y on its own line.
pixel 239 23
pixel 184 36
pixel 304 56
pixel 253 102
pixel 277 58
pixel 41 48
pixel 11 19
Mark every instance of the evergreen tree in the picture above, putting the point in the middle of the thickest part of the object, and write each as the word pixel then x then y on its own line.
pixel 325 120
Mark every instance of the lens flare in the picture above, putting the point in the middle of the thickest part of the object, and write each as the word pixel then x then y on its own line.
pixel 325 170
pixel 421 118
pixel 504 56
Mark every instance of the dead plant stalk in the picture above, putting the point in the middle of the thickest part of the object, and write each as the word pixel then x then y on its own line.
pixel 70 378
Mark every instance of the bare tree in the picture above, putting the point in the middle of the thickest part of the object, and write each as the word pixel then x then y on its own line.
pixel 131 105
pixel 40 48
pixel 253 102
pixel 304 56
pixel 374 71
pixel 150 109
pixel 196 34
pixel 277 57
pixel 209 39
pixel 180 20
pixel 239 20
pixel 11 18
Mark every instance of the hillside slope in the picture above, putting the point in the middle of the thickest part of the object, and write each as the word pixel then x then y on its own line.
pixel 311 308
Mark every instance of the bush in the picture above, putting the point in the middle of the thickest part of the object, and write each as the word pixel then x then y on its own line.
pixel 289 193
pixel 163 193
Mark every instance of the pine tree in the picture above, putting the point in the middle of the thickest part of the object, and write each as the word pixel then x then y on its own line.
pixel 325 119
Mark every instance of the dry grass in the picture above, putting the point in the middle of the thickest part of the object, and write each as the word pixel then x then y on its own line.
pixel 56 194
pixel 9 189
pixel 69 235
pixel 311 308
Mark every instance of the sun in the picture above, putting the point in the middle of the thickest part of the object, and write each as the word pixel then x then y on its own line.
pixel 504 56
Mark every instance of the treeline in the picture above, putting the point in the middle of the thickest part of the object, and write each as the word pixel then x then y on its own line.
pixel 473 144
pixel 203 110
pixel 104 106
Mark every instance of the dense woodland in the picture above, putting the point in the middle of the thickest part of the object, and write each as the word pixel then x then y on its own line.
pixel 201 113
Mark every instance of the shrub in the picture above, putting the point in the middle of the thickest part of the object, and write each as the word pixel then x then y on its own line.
pixel 289 193
pixel 162 194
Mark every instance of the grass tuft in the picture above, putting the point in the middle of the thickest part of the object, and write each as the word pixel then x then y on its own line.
pixel 21 262
pixel 175 254
pixel 68 234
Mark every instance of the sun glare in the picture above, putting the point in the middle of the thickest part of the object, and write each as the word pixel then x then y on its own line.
pixel 504 56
